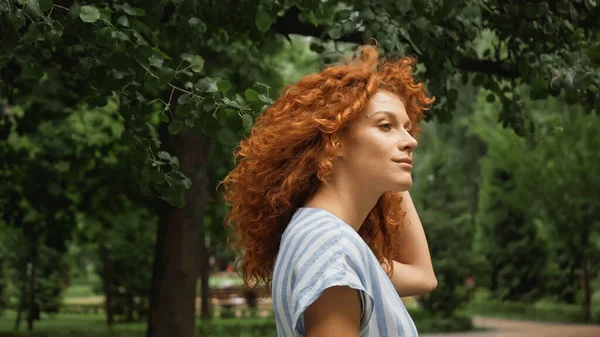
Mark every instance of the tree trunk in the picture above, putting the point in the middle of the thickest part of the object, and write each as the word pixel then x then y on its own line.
pixel 32 305
pixel 106 281
pixel 23 296
pixel 204 277
pixel 587 291
pixel 173 292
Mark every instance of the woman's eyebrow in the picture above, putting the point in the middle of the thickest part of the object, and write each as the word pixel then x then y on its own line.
pixel 391 115
pixel 386 112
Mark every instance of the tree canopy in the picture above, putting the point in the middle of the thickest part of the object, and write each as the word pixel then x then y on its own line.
pixel 105 104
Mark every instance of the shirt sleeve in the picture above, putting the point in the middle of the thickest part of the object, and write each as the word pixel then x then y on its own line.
pixel 327 267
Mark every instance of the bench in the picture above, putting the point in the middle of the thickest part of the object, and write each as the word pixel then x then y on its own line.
pixel 232 296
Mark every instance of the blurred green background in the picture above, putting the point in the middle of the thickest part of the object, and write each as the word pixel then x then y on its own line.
pixel 119 118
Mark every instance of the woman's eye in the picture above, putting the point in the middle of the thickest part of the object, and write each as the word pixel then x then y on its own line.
pixel 386 126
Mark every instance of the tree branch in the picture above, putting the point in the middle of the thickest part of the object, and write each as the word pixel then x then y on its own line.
pixel 489 67
pixel 290 23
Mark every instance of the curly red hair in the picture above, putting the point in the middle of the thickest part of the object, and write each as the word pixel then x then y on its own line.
pixel 291 150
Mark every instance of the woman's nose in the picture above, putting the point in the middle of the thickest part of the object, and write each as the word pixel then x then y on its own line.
pixel 408 142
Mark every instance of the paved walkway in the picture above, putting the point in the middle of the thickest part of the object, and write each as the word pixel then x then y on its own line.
pixel 513 328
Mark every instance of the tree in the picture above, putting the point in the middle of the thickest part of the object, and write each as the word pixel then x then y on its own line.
pixel 57 55
pixel 445 192
pixel 565 193
pixel 507 238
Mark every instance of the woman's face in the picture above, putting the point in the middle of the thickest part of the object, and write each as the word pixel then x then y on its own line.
pixel 377 148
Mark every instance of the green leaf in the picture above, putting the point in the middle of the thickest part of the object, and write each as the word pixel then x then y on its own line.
pixel 223 86
pixel 89 14
pixel 163 117
pixel 313 18
pixel 178 179
pixel 129 10
pixel 123 21
pixel 165 74
pixel 174 162
pixel 197 24
pixel 263 20
pixel 265 99
pixel 491 98
pixel 344 14
pixel 175 197
pixel 156 60
pixel 231 103
pixel 335 32
pixel 98 101
pixel 452 95
pixel 251 95
pixel 104 36
pixel 590 4
pixel 46 53
pixel 184 98
pixel 405 34
pixel 176 126
pixel 183 111
pixel 247 122
pixel 35 33
pixel 45 5
pixel 128 138
pixel 33 9
pixel 23 54
pixel 16 18
pixel 164 155
pixel 196 61
pixel 152 83
pixel 207 84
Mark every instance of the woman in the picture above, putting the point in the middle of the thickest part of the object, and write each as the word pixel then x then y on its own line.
pixel 319 201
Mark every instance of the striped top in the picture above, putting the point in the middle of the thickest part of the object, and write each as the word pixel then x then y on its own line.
pixel 317 251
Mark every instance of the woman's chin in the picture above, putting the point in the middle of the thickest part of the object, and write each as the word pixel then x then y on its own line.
pixel 402 186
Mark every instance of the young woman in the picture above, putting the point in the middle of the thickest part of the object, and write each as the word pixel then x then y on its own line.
pixel 320 202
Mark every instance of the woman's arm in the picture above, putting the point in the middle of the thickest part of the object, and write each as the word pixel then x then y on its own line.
pixel 413 271
pixel 336 313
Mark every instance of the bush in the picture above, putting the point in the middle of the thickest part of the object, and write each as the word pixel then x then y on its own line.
pixel 82 308
pixel 73 333
pixel 426 323
pixel 540 311
pixel 259 327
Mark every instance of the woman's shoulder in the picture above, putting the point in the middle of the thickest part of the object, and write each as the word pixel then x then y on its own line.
pixel 320 227
pixel 314 234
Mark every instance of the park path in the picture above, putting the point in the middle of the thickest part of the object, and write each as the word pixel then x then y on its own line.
pixel 498 327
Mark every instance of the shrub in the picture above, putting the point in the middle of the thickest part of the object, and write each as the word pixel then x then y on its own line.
pixel 540 311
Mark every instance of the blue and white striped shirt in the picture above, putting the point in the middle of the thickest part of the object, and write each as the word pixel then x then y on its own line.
pixel 317 251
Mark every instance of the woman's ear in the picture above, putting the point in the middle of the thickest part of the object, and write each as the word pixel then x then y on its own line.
pixel 340 146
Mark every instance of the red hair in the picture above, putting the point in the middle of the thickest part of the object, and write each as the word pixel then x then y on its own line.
pixel 290 152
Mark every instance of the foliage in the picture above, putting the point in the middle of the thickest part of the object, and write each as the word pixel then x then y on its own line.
pixel 445 176
pixel 179 68
pixel 565 195
pixel 129 255
pixel 536 205
pixel 126 50
pixel 545 312
pixel 42 276
pixel 428 322
pixel 504 232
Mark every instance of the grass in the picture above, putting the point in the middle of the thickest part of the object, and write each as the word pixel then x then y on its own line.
pixel 79 291
pixel 216 281
pixel 64 323
pixel 93 325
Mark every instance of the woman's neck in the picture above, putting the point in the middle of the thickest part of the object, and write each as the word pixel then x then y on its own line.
pixel 344 199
